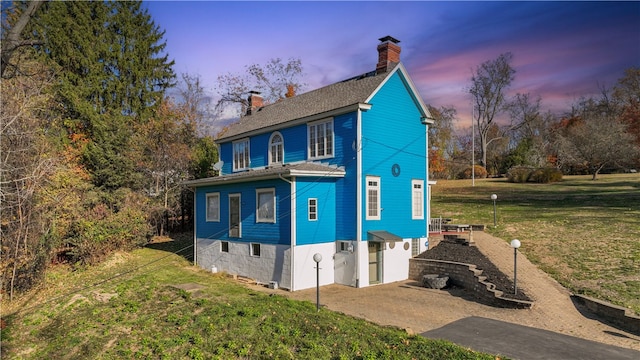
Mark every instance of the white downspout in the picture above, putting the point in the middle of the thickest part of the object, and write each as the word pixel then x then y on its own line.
pixel 358 147
pixel 426 183
pixel 195 230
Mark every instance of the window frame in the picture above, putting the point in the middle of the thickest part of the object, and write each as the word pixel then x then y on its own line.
pixel 328 139
pixel 208 216
pixel 414 214
pixel 279 149
pixel 312 215
pixel 271 191
pixel 224 246
pixel 415 247
pixel 241 156
pixel 239 197
pixel 252 249
pixel 368 202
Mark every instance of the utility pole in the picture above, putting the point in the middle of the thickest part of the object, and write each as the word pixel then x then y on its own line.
pixel 473 146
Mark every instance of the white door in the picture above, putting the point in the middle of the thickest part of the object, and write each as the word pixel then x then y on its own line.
pixel 375 263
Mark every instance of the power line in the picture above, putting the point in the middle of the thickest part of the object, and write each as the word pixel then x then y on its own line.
pixel 116 276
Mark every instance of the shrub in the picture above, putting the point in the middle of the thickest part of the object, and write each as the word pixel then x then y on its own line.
pixel 519 174
pixel 480 173
pixel 545 175
pixel 104 229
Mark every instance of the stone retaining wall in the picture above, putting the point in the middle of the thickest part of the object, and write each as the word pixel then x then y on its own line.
pixel 617 315
pixel 467 276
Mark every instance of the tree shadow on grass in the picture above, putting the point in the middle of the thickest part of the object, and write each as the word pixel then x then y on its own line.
pixel 178 243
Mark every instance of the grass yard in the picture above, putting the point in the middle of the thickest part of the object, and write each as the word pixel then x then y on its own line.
pixel 584 233
pixel 133 312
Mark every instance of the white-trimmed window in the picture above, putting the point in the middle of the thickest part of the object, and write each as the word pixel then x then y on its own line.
pixel 313 209
pixel 254 248
pixel 320 135
pixel 276 148
pixel 266 205
pixel 241 154
pixel 373 198
pixel 224 246
pixel 213 207
pixel 415 247
pixel 417 199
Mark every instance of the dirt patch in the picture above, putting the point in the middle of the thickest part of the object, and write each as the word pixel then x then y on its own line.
pixel 451 250
pixel 116 259
pixel 104 297
pixel 76 298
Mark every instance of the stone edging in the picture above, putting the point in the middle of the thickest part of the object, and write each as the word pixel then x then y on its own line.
pixel 467 276
pixel 615 314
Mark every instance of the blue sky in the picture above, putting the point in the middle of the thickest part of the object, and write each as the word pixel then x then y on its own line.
pixel 562 50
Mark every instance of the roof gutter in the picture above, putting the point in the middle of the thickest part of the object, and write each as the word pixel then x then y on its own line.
pixel 304 120
pixel 218 180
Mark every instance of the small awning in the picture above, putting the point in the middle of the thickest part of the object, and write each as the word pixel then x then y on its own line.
pixel 382 236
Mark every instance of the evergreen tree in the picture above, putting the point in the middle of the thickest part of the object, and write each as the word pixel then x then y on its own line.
pixel 112 72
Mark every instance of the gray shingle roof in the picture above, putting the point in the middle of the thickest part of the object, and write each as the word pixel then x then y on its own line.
pixel 286 170
pixel 348 92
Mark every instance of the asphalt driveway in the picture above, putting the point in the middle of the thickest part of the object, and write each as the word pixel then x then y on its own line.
pixel 524 342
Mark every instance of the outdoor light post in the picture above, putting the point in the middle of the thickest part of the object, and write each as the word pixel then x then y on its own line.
pixel 515 244
pixel 494 197
pixel 317 258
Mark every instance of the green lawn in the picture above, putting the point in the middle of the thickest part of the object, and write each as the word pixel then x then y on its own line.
pixel 134 313
pixel 584 233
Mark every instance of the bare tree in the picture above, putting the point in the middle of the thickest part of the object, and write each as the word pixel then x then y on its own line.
pixel 25 163
pixel 529 124
pixel 489 83
pixel 275 80
pixel 596 140
pixel 626 95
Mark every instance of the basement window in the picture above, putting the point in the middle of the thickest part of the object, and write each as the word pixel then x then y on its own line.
pixel 255 249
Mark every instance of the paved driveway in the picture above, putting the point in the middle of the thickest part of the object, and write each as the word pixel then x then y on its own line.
pixel 523 342
pixel 420 310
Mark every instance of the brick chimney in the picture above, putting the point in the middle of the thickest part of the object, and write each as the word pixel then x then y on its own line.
pixel 255 102
pixel 388 54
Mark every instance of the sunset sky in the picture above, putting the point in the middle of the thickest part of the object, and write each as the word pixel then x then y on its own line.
pixel 562 50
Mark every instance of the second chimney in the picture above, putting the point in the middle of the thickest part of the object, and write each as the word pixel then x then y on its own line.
pixel 388 54
pixel 255 102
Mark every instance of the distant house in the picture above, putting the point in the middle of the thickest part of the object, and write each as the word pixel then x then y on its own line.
pixel 341 171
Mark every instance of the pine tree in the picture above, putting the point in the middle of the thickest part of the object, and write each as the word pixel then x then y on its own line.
pixel 112 72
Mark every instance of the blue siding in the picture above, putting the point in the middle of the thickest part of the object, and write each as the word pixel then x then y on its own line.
pixel 226 155
pixel 345 132
pixel 324 228
pixel 268 233
pixel 295 143
pixel 393 134
pixel 259 150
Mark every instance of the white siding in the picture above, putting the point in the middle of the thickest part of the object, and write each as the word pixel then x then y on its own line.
pixel 396 261
pixel 305 267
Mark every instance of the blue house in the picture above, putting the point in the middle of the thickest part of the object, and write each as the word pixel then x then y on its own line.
pixel 341 171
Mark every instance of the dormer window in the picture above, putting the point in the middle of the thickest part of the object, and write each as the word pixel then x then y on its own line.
pixel 320 135
pixel 241 154
pixel 276 149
